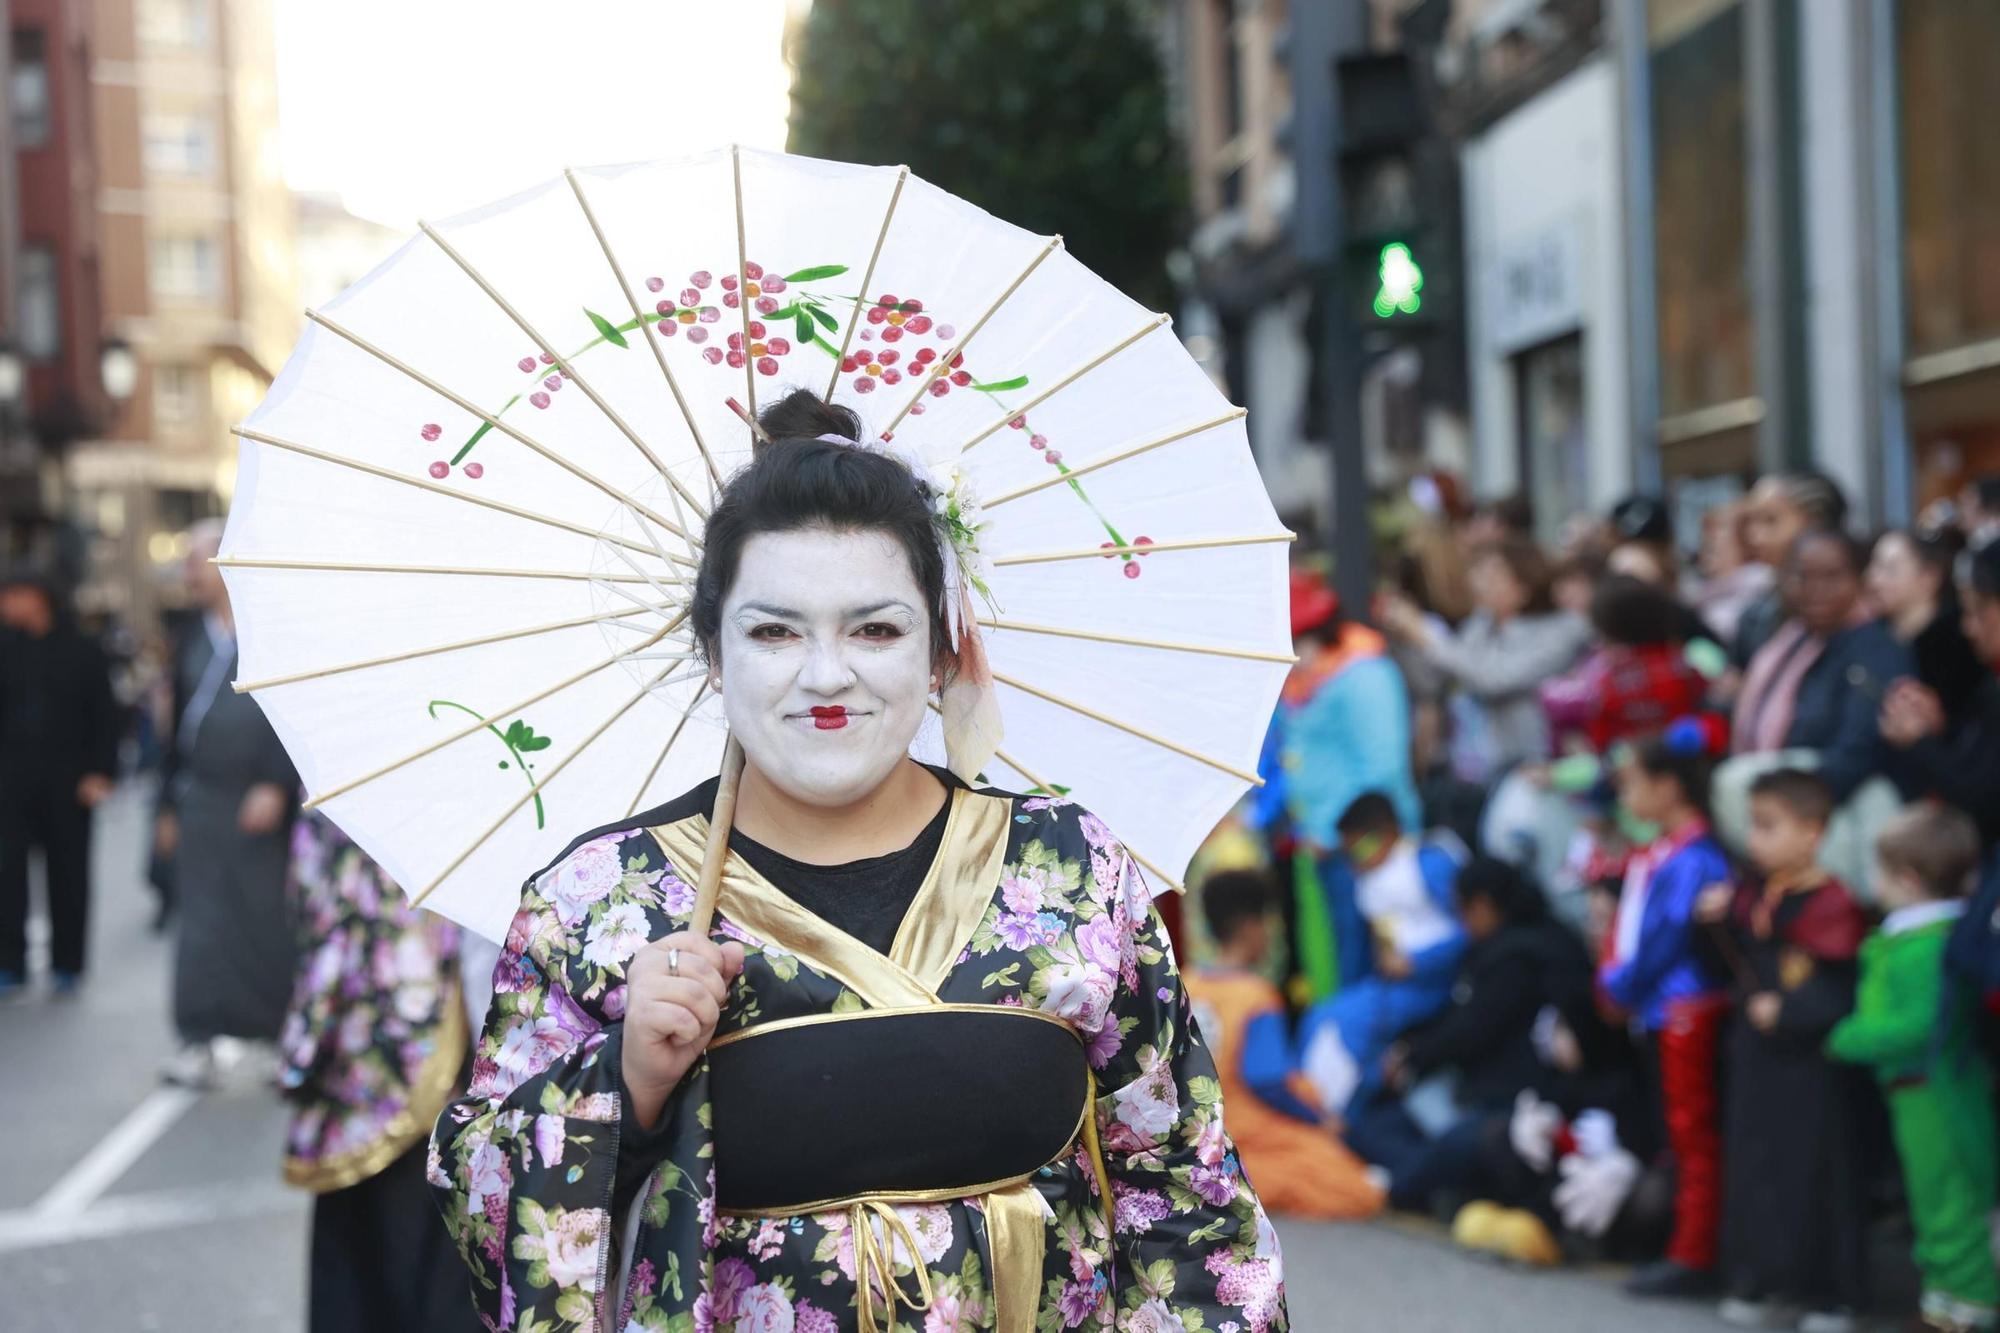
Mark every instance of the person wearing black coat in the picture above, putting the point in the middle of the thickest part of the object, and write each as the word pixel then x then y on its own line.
pixel 1520 963
pixel 59 728
pixel 1955 758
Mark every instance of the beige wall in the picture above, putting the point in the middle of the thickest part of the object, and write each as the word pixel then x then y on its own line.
pixel 218 213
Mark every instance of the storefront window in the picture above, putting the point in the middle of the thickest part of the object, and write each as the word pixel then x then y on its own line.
pixel 1951 171
pixel 1701 205
pixel 1555 455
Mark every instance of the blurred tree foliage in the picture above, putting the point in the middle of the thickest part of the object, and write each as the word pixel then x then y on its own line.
pixel 1051 114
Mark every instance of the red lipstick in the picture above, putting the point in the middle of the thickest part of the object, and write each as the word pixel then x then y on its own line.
pixel 829 719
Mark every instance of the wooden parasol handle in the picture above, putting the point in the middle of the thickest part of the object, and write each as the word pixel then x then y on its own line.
pixel 717 851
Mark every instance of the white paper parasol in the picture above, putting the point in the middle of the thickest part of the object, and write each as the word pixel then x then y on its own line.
pixel 469 510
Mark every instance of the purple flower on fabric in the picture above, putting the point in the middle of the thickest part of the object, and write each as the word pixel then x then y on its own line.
pixel 614 1003
pixel 1018 930
pixel 1104 1044
pixel 1137 1210
pixel 1078 1301
pixel 733 1277
pixel 809 1318
pixel 549 1138
pixel 1095 832
pixel 1215 1184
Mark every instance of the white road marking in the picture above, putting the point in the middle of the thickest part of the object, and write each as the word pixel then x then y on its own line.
pixel 80 1186
pixel 155 1210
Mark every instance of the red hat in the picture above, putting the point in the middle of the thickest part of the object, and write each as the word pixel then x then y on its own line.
pixel 1313 603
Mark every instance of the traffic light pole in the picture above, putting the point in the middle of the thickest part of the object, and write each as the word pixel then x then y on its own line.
pixel 1353 542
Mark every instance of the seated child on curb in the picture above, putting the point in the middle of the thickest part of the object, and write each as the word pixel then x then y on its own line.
pixel 1403 897
pixel 1658 976
pixel 1294 1155
pixel 1792 1236
pixel 1916 1030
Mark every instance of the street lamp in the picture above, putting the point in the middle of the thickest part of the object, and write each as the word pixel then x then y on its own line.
pixel 118 368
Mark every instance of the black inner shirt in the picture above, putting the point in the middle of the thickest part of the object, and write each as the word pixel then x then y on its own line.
pixel 867 898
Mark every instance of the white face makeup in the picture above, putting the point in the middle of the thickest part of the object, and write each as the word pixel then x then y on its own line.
pixel 825 657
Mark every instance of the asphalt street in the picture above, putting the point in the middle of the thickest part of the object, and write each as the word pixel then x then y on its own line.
pixel 128 1206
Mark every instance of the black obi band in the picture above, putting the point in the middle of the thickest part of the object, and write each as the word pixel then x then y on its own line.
pixel 940 1102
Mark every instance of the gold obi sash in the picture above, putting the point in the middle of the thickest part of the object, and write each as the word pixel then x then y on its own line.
pixel 867 1051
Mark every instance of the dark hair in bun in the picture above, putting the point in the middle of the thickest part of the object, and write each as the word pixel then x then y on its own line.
pixel 798 480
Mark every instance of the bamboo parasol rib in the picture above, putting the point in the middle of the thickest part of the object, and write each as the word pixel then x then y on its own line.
pixel 459 735
pixel 1130 641
pixel 944 363
pixel 687 714
pixel 466 405
pixel 1156 322
pixel 435 488
pixel 536 787
pixel 743 281
pixel 575 622
pixel 363 567
pixel 1130 728
pixel 566 367
pixel 715 851
pixel 867 281
pixel 638 313
pixel 1035 780
pixel 1196 544
pixel 1057 478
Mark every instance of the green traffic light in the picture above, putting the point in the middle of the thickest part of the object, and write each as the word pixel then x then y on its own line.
pixel 1402 282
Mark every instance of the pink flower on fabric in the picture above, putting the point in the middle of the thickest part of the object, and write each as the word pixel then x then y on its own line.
pixel 614 1003
pixel 765 1308
pixel 1211 1144
pixel 1080 993
pixel 486 1174
pixel 1255 1286
pixel 1150 1104
pixel 574 1238
pixel 1022 891
pixel 616 936
pixel 587 875
pixel 1155 1316
pixel 549 1139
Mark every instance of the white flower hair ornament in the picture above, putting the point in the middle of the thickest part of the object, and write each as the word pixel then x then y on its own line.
pixel 967 703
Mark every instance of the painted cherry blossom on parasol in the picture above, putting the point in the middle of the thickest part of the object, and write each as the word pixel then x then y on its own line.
pixel 469 511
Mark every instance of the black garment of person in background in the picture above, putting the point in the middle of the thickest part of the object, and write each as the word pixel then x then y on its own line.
pixel 1487 1034
pixel 1945 660
pixel 867 899
pixel 380 1258
pixel 1794 1199
pixel 58 723
pixel 1960 766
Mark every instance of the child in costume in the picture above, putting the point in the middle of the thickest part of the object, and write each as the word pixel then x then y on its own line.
pixel 1915 1029
pixel 1793 1194
pixel 1285 1144
pixel 1400 943
pixel 1661 978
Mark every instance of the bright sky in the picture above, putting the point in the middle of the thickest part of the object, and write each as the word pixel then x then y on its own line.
pixel 421 108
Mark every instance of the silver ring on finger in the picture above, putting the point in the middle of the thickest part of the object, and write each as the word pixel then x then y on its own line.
pixel 673 962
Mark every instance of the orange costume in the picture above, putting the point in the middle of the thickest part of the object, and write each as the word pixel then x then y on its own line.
pixel 1300 1169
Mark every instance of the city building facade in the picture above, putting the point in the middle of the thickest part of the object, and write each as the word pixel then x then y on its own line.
pixel 199 274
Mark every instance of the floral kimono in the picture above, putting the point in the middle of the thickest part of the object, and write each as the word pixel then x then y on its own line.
pixel 1031 905
pixel 372 1049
